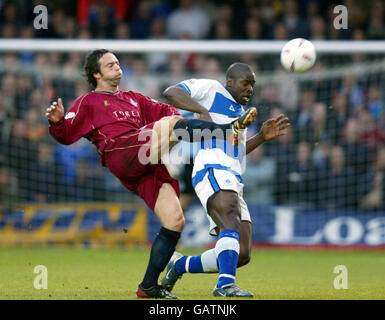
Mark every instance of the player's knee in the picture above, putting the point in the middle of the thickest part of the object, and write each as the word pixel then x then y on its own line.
pixel 178 222
pixel 232 216
pixel 172 122
pixel 232 208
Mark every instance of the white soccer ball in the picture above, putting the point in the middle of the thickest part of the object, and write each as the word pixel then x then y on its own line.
pixel 298 55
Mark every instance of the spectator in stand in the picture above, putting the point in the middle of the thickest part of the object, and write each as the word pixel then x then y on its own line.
pixel 225 14
pixel 101 20
pixel 26 57
pixel 19 153
pixel 259 180
pixel 86 186
pixel 375 198
pixel 10 16
pixel 188 19
pixel 44 176
pixel 305 112
pixel 157 61
pixel 352 89
pixel 140 80
pixel 283 151
pixel 381 121
pixel 371 134
pixel 176 66
pixel 301 18
pixel 8 88
pixel 381 175
pixel 318 127
pixel 222 31
pixel 336 182
pixel 268 101
pixel 158 29
pixel 321 154
pixel 296 26
pixel 161 9
pixel 87 9
pixel 288 94
pixel 253 29
pixel 212 68
pixel 268 13
pixel 141 20
pixel 122 31
pixel 70 27
pixel 280 32
pixel 5 126
pixel 36 101
pixel 318 28
pixel 35 130
pixel 358 35
pixel 56 27
pixel 339 116
pixel 8 189
pixel 376 26
pixel 375 102
pixel 81 88
pixel 358 157
pixel 313 10
pixel 68 156
pixel 24 88
pixel 302 180
pixel 85 33
pixel 357 153
pixel 357 16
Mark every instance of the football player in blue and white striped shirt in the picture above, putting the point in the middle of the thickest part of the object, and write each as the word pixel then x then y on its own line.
pixel 217 176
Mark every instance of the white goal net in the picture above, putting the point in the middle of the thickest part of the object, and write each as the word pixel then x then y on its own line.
pixel 332 158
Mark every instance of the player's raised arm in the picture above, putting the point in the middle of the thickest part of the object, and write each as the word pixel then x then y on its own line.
pixel 179 98
pixel 70 127
pixel 55 113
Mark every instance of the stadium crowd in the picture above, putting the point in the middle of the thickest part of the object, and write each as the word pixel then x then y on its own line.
pixel 333 156
pixel 175 19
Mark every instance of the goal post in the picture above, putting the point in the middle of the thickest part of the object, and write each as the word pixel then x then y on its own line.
pixel 183 46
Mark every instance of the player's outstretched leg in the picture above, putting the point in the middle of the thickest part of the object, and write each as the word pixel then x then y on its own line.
pixel 191 125
pixel 179 264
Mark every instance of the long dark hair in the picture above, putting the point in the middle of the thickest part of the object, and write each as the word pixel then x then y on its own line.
pixel 92 65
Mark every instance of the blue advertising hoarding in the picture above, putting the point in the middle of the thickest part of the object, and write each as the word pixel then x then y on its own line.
pixel 104 224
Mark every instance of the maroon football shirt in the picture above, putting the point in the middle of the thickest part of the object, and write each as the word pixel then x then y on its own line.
pixel 102 116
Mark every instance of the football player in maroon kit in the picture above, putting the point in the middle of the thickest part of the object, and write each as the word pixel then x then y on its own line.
pixel 131 132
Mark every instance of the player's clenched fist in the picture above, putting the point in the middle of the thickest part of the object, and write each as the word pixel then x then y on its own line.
pixel 55 112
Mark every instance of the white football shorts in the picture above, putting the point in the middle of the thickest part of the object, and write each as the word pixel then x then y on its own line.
pixel 219 179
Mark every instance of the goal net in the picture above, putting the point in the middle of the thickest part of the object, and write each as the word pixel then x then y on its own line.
pixel 321 182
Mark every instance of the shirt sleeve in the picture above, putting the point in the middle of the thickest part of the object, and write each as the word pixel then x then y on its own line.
pixel 198 89
pixel 75 125
pixel 153 110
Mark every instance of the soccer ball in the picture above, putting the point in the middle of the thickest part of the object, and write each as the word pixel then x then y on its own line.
pixel 298 55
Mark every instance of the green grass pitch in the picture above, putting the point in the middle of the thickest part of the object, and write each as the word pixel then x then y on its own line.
pixel 115 273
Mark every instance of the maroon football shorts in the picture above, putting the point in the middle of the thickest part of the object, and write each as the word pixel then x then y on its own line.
pixel 121 157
